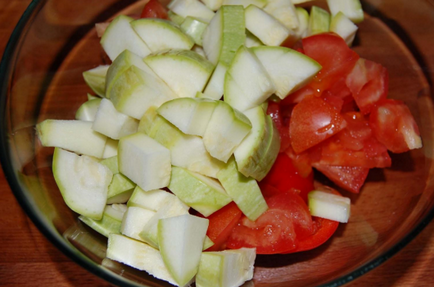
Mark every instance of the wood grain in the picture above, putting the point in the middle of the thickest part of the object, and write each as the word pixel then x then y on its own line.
pixel 27 258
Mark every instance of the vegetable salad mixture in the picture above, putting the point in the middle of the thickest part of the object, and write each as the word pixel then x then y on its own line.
pixel 198 150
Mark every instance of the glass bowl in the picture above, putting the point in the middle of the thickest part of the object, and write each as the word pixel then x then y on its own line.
pixel 41 77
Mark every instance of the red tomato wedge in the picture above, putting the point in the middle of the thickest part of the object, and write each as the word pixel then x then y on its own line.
pixel 333 54
pixel 313 121
pixel 355 145
pixel 154 9
pixel 284 176
pixel 281 120
pixel 350 178
pixel 221 224
pixel 324 230
pixel 368 83
pixel 276 230
pixel 394 126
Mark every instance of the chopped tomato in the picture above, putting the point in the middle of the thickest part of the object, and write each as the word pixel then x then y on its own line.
pixel 333 54
pixel 313 121
pixel 277 230
pixel 338 95
pixel 281 120
pixel 302 161
pixel 284 176
pixel 154 9
pixel 221 223
pixel 350 178
pixel 325 228
pixel 394 126
pixel 368 83
pixel 355 145
pixel 298 95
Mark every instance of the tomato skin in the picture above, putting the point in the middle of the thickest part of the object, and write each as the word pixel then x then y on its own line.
pixel 154 9
pixel 221 224
pixel 313 121
pixel 350 178
pixel 355 145
pixel 394 126
pixel 368 83
pixel 284 176
pixel 333 54
pixel 324 230
pixel 281 120
pixel 275 231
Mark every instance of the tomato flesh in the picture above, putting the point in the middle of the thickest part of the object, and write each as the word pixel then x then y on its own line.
pixel 221 224
pixel 281 120
pixel 154 9
pixel 333 54
pixel 394 126
pixel 368 83
pixel 277 229
pixel 350 178
pixel 313 121
pixel 324 230
pixel 355 145
pixel 284 176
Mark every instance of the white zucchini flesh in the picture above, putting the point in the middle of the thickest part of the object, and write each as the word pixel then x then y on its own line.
pixel 122 62
pixel 190 115
pixel 111 148
pixel 319 21
pixel 186 151
pixel 344 27
pixel 95 79
pixel 224 34
pixel 329 206
pixel 134 220
pixel 152 199
pixel 173 207
pixel 193 8
pixel 194 28
pixel 303 22
pixel 184 71
pixel 136 90
pixel 225 131
pixel 229 268
pixel 244 191
pixel 108 121
pixel 351 8
pixel 284 11
pixel 288 69
pixel 159 34
pixel 181 239
pixel 144 161
pixel 202 193
pixel 215 87
pixel 73 135
pixel 82 181
pixel 110 222
pixel 87 111
pixel 247 83
pixel 268 29
pixel 120 36
pixel 246 3
pixel 138 255
pixel 253 147
pixel 213 5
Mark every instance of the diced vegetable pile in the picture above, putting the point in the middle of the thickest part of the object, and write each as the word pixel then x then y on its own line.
pixel 197 151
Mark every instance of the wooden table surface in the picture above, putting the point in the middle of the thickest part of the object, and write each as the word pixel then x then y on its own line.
pixel 27 258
